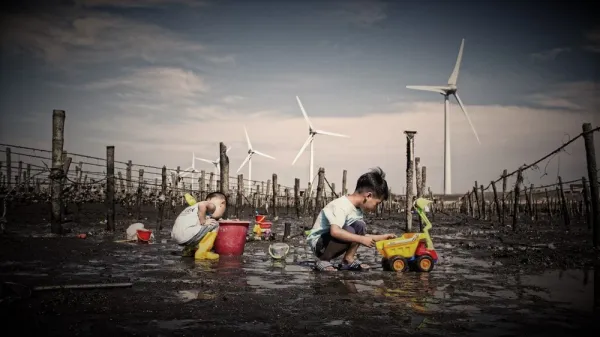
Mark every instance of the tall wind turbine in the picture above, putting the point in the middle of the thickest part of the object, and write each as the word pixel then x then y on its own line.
pixel 310 140
pixel 447 90
pixel 248 159
pixel 214 162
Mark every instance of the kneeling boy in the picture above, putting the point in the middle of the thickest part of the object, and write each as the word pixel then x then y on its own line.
pixel 340 228
pixel 198 223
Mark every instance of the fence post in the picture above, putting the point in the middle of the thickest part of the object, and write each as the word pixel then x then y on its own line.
pixel 275 193
pixel 586 202
pixel 563 204
pixel 139 194
pixel 504 177
pixel 163 198
pixel 517 199
pixel 319 197
pixel 58 130
pixel 239 205
pixel 297 196
pixel 110 188
pixel 344 189
pixel 590 154
pixel 409 179
pixel 9 161
pixel 224 176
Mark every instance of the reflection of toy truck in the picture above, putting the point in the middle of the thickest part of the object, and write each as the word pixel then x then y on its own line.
pixel 411 250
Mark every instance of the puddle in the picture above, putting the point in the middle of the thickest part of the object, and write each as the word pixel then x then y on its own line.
pixel 192 295
pixel 569 288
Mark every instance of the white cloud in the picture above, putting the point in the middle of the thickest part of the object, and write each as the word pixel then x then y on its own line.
pixel 232 99
pixel 138 3
pixel 583 96
pixel 83 37
pixel 226 59
pixel 156 83
pixel 549 55
pixel 593 40
pixel 362 12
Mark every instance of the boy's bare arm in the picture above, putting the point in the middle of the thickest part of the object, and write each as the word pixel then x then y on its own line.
pixel 381 237
pixel 203 208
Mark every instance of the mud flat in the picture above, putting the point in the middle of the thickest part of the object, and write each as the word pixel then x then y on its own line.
pixel 490 281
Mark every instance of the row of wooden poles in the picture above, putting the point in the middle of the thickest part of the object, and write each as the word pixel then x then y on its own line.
pixel 61 163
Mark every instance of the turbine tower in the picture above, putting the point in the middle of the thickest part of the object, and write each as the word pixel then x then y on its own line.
pixel 310 140
pixel 248 159
pixel 214 162
pixel 447 90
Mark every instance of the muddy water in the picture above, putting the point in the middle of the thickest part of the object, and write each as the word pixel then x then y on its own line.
pixel 467 293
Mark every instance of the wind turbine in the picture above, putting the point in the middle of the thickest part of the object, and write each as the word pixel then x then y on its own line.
pixel 311 137
pixel 215 162
pixel 248 159
pixel 187 171
pixel 447 90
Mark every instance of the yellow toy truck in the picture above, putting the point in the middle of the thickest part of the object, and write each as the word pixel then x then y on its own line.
pixel 411 250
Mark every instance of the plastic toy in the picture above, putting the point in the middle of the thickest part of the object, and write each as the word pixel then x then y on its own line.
pixel 411 250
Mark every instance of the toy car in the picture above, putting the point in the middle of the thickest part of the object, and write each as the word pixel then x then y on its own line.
pixel 411 250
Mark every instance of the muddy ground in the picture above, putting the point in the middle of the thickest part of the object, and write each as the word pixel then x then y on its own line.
pixel 490 281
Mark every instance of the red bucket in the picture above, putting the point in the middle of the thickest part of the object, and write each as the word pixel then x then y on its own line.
pixel 259 218
pixel 265 225
pixel 144 234
pixel 231 237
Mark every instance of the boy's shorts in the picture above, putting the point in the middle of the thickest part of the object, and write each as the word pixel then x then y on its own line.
pixel 202 231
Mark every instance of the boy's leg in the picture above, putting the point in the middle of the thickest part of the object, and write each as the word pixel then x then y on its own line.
pixel 350 262
pixel 329 248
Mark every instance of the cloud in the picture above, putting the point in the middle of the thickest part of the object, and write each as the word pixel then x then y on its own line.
pixel 362 12
pixel 549 55
pixel 138 3
pixel 593 40
pixel 80 37
pixel 227 59
pixel 161 83
pixel 232 99
pixel 582 96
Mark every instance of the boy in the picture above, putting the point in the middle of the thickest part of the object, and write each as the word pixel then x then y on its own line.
pixel 198 220
pixel 340 229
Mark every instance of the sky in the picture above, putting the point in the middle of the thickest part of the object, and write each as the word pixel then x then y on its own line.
pixel 162 79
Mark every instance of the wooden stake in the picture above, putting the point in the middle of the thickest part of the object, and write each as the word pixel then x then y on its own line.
pixel 110 188
pixel 58 129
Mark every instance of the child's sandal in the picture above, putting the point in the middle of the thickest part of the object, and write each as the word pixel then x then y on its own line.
pixel 325 266
pixel 356 265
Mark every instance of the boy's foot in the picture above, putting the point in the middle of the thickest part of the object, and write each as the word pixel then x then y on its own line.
pixel 355 265
pixel 324 266
pixel 189 251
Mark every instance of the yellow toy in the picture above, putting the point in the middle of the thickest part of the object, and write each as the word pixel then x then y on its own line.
pixel 411 250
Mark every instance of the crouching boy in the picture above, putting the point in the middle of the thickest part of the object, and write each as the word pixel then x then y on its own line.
pixel 196 226
pixel 340 228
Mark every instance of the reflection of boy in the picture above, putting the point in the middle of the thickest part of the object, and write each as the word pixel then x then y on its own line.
pixel 194 222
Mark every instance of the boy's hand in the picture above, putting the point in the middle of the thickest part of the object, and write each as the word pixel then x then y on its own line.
pixel 367 241
pixel 390 236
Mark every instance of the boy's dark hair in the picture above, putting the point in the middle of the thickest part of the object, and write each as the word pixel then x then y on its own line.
pixel 218 195
pixel 374 182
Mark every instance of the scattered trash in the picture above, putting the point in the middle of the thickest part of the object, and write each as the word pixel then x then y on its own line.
pixel 82 236
pixel 22 291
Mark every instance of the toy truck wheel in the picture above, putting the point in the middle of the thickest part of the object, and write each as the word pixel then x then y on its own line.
pixel 424 263
pixel 398 264
pixel 385 263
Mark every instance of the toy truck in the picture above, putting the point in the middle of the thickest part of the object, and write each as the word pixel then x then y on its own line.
pixel 411 250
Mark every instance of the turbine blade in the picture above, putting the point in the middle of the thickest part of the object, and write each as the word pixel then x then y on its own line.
pixel 205 160
pixel 454 76
pixel 438 89
pixel 304 113
pixel 263 154
pixel 248 139
pixel 467 115
pixel 331 134
pixel 244 162
pixel 303 148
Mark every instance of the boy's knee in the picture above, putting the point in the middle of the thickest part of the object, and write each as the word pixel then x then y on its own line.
pixel 359 227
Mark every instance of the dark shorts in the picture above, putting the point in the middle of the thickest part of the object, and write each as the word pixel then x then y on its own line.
pixel 328 247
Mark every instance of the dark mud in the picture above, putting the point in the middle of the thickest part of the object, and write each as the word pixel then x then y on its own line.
pixel 490 281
